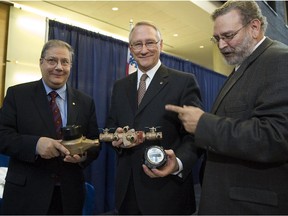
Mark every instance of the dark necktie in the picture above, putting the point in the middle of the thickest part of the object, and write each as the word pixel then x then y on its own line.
pixel 142 87
pixel 56 113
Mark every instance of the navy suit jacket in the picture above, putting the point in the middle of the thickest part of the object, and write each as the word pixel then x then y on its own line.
pixel 171 194
pixel 247 140
pixel 24 118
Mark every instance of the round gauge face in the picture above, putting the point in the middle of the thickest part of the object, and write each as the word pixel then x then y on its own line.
pixel 155 155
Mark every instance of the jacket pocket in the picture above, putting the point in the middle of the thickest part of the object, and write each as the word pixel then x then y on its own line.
pixel 254 195
pixel 15 178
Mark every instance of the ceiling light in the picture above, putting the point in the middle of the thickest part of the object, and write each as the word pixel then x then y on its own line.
pixel 115 9
pixel 201 47
pixel 175 35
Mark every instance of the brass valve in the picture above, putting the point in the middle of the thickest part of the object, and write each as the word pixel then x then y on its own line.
pixel 75 142
pixel 80 145
pixel 130 136
pixel 153 134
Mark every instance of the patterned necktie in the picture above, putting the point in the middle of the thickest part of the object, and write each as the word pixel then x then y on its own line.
pixel 56 113
pixel 142 87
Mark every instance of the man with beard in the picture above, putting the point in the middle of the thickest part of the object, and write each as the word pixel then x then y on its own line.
pixel 246 133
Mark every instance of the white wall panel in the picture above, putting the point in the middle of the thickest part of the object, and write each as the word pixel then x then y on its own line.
pixel 26 37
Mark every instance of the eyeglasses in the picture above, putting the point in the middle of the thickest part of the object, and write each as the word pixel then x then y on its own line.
pixel 149 45
pixel 227 37
pixel 53 62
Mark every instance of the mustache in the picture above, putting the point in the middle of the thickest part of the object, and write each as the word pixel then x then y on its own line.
pixel 227 50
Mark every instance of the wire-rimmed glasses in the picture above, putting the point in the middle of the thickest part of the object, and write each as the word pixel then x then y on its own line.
pixel 53 62
pixel 149 45
pixel 227 37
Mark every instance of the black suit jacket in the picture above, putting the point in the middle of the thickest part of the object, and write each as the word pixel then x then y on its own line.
pixel 247 140
pixel 171 194
pixel 25 117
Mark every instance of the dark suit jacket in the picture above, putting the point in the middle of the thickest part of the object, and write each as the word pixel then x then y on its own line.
pixel 171 194
pixel 247 142
pixel 25 117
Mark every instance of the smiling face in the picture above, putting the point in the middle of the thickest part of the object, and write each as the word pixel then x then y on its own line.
pixel 146 58
pixel 236 50
pixel 55 66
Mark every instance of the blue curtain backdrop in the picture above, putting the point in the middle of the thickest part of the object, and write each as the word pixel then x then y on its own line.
pixel 99 61
pixel 209 81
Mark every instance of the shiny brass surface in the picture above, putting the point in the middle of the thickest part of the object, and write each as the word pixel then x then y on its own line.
pixel 130 136
pixel 80 146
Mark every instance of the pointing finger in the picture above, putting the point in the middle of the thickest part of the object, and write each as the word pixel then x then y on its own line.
pixel 174 108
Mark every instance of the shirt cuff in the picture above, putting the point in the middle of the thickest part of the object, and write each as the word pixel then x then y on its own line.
pixel 180 165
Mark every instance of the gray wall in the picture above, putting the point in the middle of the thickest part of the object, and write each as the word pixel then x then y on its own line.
pixel 277 27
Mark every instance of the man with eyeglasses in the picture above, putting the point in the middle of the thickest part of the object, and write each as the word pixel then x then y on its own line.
pixel 246 133
pixel 158 190
pixel 43 178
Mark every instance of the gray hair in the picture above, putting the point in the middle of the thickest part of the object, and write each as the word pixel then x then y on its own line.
pixel 145 23
pixel 249 10
pixel 56 43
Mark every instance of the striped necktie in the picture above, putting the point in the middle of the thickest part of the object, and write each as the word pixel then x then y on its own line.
pixel 56 113
pixel 142 87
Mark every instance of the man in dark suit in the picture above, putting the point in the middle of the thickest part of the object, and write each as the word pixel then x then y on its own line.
pixel 246 134
pixel 43 178
pixel 169 189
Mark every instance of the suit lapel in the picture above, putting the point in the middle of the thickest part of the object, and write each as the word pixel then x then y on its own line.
pixel 131 91
pixel 72 106
pixel 42 105
pixel 234 77
pixel 158 82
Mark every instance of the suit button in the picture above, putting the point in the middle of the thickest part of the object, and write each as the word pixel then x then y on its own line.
pixel 56 178
pixel 211 149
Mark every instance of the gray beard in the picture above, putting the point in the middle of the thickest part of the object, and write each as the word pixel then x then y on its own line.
pixel 241 52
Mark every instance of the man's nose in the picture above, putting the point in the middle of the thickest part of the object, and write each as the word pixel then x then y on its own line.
pixel 59 65
pixel 144 49
pixel 222 44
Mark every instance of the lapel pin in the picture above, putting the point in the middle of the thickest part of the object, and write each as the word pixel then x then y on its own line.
pixel 161 82
pixel 73 103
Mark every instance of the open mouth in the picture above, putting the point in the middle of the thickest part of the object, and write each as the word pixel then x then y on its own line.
pixel 227 54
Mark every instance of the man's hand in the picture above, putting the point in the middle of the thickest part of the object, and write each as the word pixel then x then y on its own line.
pixel 118 142
pixel 49 148
pixel 75 158
pixel 123 142
pixel 189 115
pixel 171 166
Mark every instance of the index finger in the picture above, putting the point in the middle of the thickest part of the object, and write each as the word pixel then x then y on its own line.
pixel 174 108
pixel 62 149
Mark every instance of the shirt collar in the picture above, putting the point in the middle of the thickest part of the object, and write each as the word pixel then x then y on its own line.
pixel 61 91
pixel 258 44
pixel 151 72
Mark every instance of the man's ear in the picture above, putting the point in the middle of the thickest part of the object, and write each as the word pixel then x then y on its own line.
pixel 255 25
